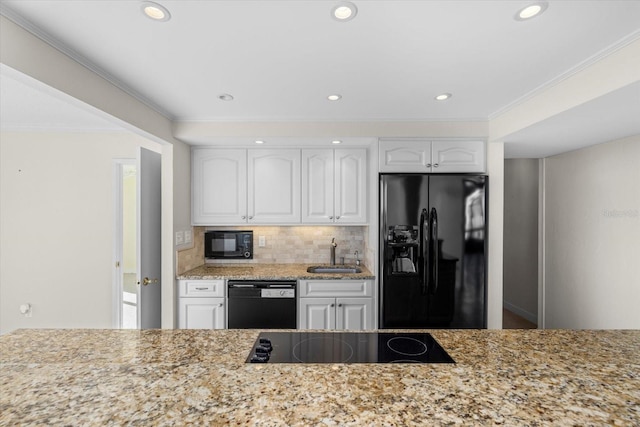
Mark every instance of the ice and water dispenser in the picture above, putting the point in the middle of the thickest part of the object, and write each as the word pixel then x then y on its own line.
pixel 403 246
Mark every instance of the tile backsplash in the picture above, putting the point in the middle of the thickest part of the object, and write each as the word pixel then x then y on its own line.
pixel 294 244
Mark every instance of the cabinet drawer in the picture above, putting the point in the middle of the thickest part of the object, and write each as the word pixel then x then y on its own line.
pixel 335 288
pixel 201 288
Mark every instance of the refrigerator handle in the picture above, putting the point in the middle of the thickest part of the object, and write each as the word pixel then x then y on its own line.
pixel 424 258
pixel 435 252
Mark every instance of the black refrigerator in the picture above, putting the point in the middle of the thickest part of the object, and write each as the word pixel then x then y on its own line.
pixel 433 246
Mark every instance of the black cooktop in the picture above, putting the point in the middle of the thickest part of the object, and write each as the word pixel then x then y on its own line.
pixel 347 347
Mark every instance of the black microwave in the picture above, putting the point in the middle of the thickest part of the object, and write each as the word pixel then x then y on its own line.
pixel 228 244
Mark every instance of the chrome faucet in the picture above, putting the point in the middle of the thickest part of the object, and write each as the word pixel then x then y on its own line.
pixel 357 258
pixel 333 251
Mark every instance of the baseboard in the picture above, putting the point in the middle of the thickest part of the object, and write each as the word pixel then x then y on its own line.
pixel 520 312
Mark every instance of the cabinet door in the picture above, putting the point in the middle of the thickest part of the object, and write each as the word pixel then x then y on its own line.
pixel 354 313
pixel 317 186
pixel 404 156
pixel 350 169
pixel 458 156
pixel 274 186
pixel 201 313
pixel 219 186
pixel 317 313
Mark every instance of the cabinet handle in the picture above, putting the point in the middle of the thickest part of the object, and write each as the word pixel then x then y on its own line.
pixel 202 289
pixel 333 305
pixel 435 165
pixel 330 217
pixel 428 165
pixel 220 305
pixel 244 217
pixel 250 217
pixel 339 305
pixel 338 217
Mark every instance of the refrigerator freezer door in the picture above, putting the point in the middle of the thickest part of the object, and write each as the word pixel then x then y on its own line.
pixel 404 302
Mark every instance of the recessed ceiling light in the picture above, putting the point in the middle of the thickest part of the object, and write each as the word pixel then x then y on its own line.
pixel 334 97
pixel 344 11
pixel 336 141
pixel 155 11
pixel 225 97
pixel 531 11
pixel 443 97
pixel 259 141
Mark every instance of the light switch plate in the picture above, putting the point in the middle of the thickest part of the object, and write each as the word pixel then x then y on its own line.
pixel 188 236
pixel 179 237
pixel 261 241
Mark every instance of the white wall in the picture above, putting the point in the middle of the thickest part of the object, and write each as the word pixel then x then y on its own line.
pixel 181 186
pixel 495 170
pixel 57 225
pixel 521 237
pixel 592 237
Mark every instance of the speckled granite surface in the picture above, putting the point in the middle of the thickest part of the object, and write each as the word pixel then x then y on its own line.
pixel 178 377
pixel 267 272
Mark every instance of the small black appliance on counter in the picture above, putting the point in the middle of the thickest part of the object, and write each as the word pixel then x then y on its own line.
pixel 228 244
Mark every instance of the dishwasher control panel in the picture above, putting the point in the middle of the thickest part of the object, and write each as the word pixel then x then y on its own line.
pixel 278 293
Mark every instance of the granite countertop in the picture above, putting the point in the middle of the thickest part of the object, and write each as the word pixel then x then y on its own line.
pixel 267 272
pixel 178 377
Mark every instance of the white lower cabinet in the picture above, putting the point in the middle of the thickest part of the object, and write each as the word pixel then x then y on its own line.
pixel 335 304
pixel 201 304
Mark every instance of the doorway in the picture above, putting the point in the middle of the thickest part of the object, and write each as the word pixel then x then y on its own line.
pixel 126 262
pixel 137 291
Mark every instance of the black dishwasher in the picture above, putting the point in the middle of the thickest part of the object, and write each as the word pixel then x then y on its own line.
pixel 262 304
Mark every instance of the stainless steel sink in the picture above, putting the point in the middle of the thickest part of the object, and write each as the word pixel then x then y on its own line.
pixel 334 269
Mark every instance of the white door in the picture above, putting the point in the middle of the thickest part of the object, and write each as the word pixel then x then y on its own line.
pixel 404 156
pixel 273 186
pixel 350 168
pixel 317 313
pixel 201 313
pixel 317 186
pixel 353 313
pixel 458 156
pixel 149 243
pixel 219 179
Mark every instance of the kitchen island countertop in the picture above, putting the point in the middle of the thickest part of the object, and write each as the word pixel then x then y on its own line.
pixel 177 377
pixel 267 271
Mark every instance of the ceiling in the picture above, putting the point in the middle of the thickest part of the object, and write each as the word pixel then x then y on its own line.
pixel 281 59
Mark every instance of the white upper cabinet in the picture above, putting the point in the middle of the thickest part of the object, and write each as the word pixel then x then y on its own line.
pixel 279 186
pixel 457 156
pixel 274 186
pixel 350 172
pixel 219 186
pixel 317 186
pixel 404 156
pixel 424 156
pixel 334 186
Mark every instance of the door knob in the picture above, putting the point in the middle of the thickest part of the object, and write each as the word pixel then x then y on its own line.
pixel 146 281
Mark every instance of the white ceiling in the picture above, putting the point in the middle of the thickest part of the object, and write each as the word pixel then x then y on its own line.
pixel 280 59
